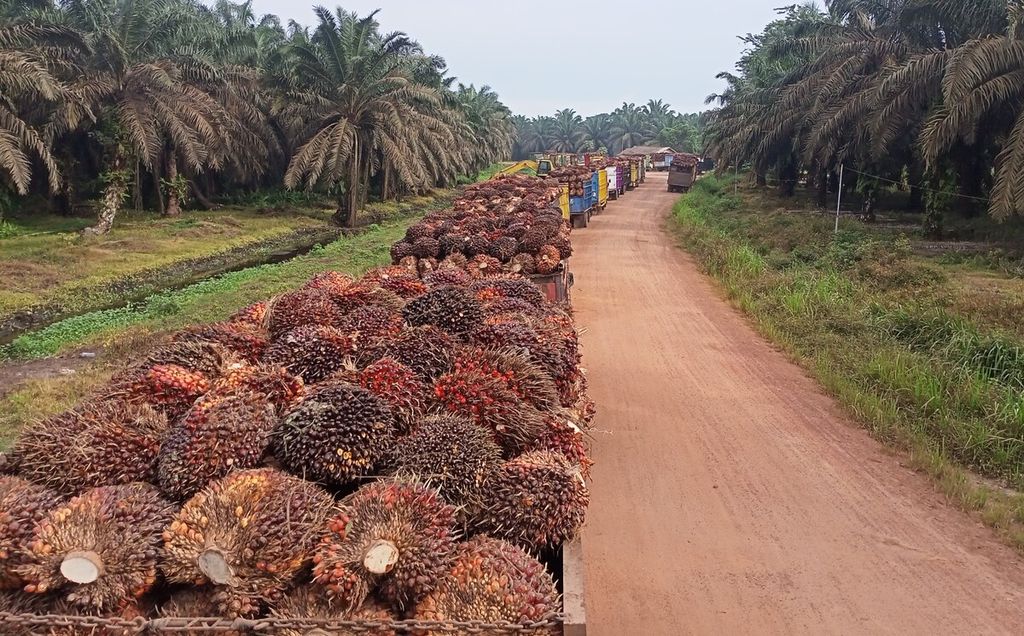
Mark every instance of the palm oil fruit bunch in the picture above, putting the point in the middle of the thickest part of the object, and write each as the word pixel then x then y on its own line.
pixel 169 388
pixel 272 383
pixel 398 385
pixel 395 537
pixel 494 581
pixel 547 259
pixel 208 358
pixel 364 293
pixel 396 279
pixel 217 436
pixel 490 403
pixel 562 435
pixel 22 506
pixel 246 339
pixel 513 287
pixel 527 380
pixel 99 550
pixel 452 309
pixel 372 322
pixel 330 283
pixel 452 453
pixel 310 603
pixel 542 493
pixel 301 308
pixel 100 444
pixel 426 350
pixel 312 352
pixel 254 314
pixel 337 434
pixel 247 535
pixel 447 276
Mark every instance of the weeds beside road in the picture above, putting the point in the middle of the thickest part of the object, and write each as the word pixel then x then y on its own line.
pixel 912 346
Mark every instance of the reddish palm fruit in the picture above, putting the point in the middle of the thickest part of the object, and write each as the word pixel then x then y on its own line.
pixel 255 314
pixel 503 248
pixel 312 352
pixel 482 265
pixel 280 389
pixel 410 263
pixel 548 259
pixel 168 388
pixel 372 322
pixel 447 276
pixel 562 435
pixel 450 308
pixel 100 549
pixel 536 500
pixel 425 266
pixel 452 243
pixel 533 239
pixel 512 287
pixel 245 339
pixel 455 260
pixel 247 535
pixel 393 536
pixel 477 244
pixel 208 358
pixel 527 380
pixel 22 506
pixel 490 403
pixel 100 444
pixel 403 283
pixel 310 602
pixel 339 433
pixel 453 454
pixel 506 334
pixel 309 307
pixel 399 386
pixel 364 293
pixel 562 243
pixel 417 231
pixel 516 230
pixel 401 250
pixel 426 247
pixel 522 264
pixel 217 436
pixel 329 282
pixel 508 309
pixel 426 350
pixel 492 581
pixel 584 410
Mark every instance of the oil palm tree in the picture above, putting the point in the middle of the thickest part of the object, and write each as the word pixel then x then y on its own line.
pixel 597 131
pixel 489 120
pixel 630 127
pixel 566 131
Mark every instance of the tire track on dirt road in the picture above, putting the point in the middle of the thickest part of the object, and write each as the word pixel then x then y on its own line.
pixel 730 495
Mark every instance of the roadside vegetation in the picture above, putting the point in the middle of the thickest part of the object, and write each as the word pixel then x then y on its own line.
pixel 926 350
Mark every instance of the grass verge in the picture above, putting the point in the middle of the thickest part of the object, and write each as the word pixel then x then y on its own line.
pixel 891 335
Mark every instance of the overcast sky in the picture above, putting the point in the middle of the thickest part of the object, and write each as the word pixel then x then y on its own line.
pixel 541 56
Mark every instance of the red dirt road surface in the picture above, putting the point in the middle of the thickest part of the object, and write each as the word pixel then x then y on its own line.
pixel 730 495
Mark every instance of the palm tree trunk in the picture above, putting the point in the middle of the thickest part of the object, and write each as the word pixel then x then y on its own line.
pixel 366 180
pixel 346 213
pixel 137 188
pixel 173 201
pixel 385 183
pixel 158 189
pixel 113 196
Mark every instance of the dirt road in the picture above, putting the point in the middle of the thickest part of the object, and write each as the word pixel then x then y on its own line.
pixel 731 496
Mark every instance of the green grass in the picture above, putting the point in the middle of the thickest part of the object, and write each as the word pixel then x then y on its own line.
pixel 908 344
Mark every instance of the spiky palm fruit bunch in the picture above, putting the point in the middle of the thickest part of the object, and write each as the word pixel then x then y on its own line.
pixel 396 279
pixel 516 230
pixel 410 263
pixel 547 260
pixel 503 248
pixel 508 287
pixel 455 260
pixel 18 603
pixel 426 350
pixel 208 358
pixel 306 307
pixel 514 368
pixel 493 581
pixel 329 282
pixel 401 250
pixel 393 536
pixel 366 293
pixel 508 309
pixel 247 535
pixel 339 433
pixel 310 602
pixel 584 410
pixel 505 331
pixel 523 264
pixel 272 383
pixel 425 266
pixel 168 388
pixel 100 549
pixel 426 247
pixel 536 500
pixel 482 265
pixel 399 386
pixel 476 244
pixel 418 231
pixel 22 506
pixel 450 308
pixel 217 436
pixel 533 239
pixel 100 444
pixel 490 403
pixel 452 243
pixel 243 338
pixel 373 322
pixel 312 352
pixel 563 436
pixel 453 454
pixel 254 314
pixel 447 276
pixel 562 243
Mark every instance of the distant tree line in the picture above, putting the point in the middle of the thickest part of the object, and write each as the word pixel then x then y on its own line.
pixel 927 94
pixel 155 102
pixel 654 123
